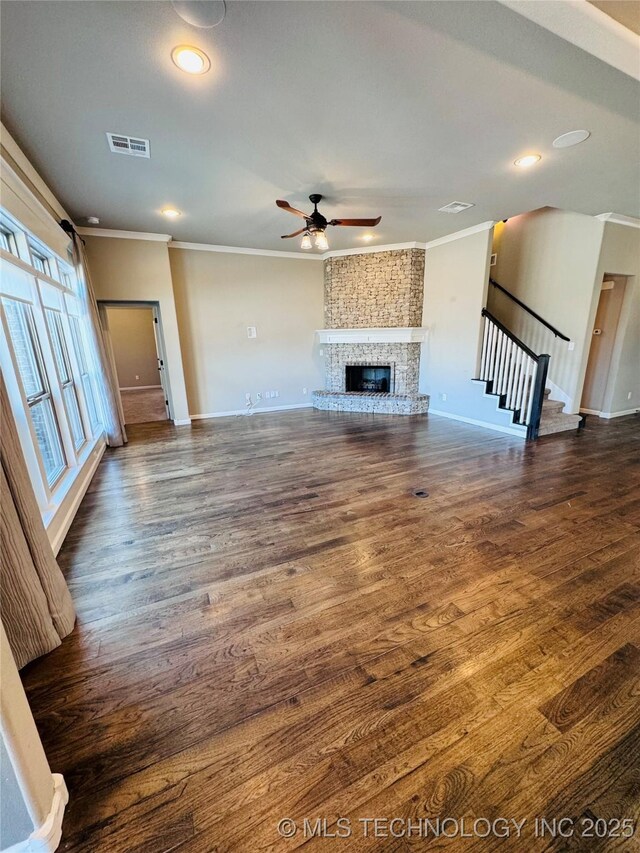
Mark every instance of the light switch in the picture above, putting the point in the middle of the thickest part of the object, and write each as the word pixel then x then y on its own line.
pixel 251 332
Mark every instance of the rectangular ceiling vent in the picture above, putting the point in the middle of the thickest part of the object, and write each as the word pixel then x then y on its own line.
pixel 455 207
pixel 121 144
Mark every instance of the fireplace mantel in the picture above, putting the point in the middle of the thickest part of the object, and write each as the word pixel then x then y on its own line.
pixel 409 335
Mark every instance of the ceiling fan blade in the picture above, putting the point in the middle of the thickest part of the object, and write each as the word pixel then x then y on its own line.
pixel 286 206
pixel 367 223
pixel 295 234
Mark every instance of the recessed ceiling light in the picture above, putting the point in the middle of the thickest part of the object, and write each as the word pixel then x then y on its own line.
pixel 367 237
pixel 527 160
pixel 170 212
pixel 93 220
pixel 190 59
pixel 573 137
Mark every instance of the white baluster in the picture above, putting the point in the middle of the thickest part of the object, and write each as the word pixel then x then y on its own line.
pixel 516 378
pixel 485 341
pixel 522 386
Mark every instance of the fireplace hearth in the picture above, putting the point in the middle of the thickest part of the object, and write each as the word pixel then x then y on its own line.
pixel 368 377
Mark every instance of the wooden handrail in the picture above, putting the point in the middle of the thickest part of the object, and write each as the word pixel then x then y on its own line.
pixel 540 319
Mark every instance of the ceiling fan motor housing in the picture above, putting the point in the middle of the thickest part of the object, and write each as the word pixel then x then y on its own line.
pixel 316 221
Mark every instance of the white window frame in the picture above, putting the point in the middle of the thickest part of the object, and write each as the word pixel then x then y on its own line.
pixel 23 281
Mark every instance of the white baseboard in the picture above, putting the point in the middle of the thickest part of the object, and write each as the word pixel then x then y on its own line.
pixel 619 414
pixel 139 387
pixel 65 524
pixel 264 411
pixel 46 838
pixel 520 432
pixel 183 422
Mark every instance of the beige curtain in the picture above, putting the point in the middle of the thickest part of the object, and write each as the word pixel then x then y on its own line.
pixel 107 382
pixel 35 603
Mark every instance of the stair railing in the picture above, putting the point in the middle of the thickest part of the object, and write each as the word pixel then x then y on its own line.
pixel 514 372
pixel 530 311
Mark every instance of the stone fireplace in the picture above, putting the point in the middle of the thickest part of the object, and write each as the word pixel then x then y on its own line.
pixel 373 310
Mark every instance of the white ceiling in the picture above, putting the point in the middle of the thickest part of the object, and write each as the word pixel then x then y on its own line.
pixel 386 108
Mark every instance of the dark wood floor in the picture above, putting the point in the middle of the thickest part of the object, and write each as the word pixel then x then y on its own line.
pixel 143 405
pixel 271 625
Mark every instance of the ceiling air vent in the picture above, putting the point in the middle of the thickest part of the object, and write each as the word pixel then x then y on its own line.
pixel 120 144
pixel 455 207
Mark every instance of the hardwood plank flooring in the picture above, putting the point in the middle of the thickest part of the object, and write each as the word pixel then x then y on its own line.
pixel 143 405
pixel 271 625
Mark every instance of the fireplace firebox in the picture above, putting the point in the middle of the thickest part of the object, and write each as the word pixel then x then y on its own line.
pixel 368 377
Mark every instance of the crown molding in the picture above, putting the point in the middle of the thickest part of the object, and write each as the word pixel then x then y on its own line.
pixel 20 159
pixel 124 235
pixel 586 27
pixel 619 219
pixel 271 253
pixel 239 250
pixel 458 235
pixel 27 195
pixel 370 250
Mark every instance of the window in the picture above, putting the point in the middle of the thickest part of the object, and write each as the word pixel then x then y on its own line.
pixel 85 375
pixel 67 277
pixel 65 375
pixel 48 364
pixel 35 386
pixel 8 240
pixel 41 262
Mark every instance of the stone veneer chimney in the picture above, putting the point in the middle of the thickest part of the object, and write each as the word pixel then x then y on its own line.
pixel 374 290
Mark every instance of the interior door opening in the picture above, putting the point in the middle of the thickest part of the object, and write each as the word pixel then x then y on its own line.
pixel 134 335
pixel 603 340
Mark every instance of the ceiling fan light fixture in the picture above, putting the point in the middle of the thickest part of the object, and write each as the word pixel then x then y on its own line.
pixel 321 241
pixel 306 241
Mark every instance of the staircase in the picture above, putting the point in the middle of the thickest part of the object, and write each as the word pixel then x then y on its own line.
pixel 553 419
pixel 517 376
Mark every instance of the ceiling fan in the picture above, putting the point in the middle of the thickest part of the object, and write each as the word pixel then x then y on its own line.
pixel 316 225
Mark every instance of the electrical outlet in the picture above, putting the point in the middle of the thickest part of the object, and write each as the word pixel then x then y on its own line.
pixel 443 397
pixel 247 397
pixel 304 390
pixel 258 396
pixel 276 393
pixel 252 332
pixel 137 377
pixel 571 345
pixel 629 395
pixel 321 352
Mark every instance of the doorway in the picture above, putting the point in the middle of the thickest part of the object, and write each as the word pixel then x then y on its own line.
pixel 134 335
pixel 603 341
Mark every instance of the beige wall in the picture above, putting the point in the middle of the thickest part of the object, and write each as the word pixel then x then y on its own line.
pixel 217 296
pixel 134 345
pixel 455 287
pixel 548 259
pixel 620 254
pixel 129 270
